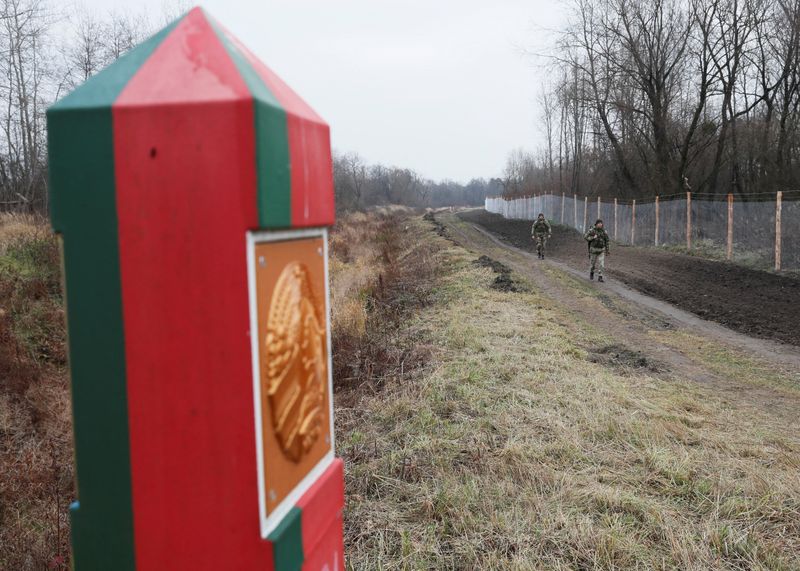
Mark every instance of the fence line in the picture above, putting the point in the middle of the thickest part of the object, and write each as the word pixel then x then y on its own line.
pixel 748 228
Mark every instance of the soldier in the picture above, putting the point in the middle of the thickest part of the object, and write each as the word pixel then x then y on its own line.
pixel 540 232
pixel 598 240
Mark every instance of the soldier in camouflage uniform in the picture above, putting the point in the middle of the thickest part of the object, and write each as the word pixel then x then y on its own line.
pixel 540 232
pixel 598 240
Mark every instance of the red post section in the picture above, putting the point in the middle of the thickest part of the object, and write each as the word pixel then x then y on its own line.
pixel 193 190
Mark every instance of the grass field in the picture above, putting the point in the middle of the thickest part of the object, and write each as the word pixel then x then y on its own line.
pixel 521 447
pixel 482 426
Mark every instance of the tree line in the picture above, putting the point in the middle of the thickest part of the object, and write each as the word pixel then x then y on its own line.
pixel 359 185
pixel 665 96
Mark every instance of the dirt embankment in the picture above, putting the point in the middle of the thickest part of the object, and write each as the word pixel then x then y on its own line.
pixel 753 302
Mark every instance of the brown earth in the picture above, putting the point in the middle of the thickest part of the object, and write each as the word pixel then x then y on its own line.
pixel 753 302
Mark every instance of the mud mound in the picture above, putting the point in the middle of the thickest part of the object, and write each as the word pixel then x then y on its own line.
pixel 753 302
pixel 487 262
pixel 624 359
pixel 504 281
pixel 438 227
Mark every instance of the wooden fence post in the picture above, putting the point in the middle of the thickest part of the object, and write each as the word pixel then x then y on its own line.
pixel 688 220
pixel 598 207
pixel 633 223
pixel 778 208
pixel 729 254
pixel 658 219
pixel 562 207
pixel 585 211
pixel 615 218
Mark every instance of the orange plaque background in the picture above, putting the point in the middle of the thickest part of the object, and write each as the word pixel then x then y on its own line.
pixel 293 362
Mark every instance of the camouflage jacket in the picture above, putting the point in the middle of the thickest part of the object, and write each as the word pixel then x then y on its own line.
pixel 541 228
pixel 598 240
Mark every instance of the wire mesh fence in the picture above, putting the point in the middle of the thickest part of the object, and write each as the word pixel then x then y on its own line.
pixel 755 230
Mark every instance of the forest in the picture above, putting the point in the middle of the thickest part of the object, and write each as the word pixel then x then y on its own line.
pixel 657 97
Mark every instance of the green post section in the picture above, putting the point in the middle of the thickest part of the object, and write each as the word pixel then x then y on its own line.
pixel 82 179
pixel 287 542
pixel 84 211
pixel 273 162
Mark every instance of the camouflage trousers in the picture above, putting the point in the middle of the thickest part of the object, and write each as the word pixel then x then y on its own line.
pixel 597 263
pixel 541 242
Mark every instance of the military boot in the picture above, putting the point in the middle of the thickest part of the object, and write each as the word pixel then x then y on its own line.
pixel 591 275
pixel 600 279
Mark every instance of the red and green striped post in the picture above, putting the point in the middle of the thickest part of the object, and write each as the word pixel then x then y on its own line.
pixel 162 167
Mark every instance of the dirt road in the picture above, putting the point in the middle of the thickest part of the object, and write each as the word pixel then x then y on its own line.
pixel 752 302
pixel 635 321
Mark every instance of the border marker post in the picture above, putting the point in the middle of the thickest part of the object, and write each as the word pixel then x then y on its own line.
pixel 192 191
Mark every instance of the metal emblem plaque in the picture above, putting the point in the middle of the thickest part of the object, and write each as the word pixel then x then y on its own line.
pixel 291 365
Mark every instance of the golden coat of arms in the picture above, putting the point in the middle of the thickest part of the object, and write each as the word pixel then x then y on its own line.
pixel 295 374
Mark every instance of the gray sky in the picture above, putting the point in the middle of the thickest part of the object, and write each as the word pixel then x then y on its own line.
pixel 439 86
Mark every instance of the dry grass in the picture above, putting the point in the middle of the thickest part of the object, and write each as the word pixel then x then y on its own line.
pixel 380 272
pixel 35 425
pixel 477 432
pixel 515 451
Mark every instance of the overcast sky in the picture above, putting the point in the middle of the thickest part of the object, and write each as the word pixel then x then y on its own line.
pixel 440 86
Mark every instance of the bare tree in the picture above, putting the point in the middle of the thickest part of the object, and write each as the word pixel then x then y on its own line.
pixel 24 73
pixel 357 171
pixel 549 107
pixel 659 92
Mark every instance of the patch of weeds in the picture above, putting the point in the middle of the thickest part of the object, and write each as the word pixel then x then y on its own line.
pixel 743 550
pixel 31 306
pixel 36 483
pixel 375 295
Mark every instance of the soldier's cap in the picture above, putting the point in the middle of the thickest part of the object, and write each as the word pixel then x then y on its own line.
pixel 541 215
pixel 598 221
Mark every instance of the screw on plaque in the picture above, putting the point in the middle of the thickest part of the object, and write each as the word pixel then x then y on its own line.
pixel 261 261
pixel 319 251
pixel 272 495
